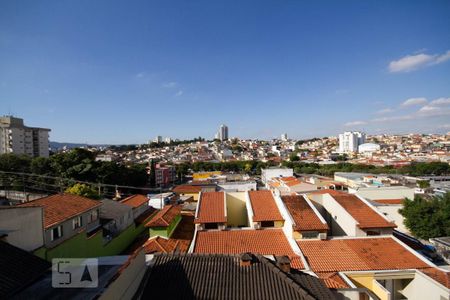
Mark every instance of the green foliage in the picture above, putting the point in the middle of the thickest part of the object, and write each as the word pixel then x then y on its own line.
pixel 427 218
pixel 294 157
pixel 423 184
pixel 83 190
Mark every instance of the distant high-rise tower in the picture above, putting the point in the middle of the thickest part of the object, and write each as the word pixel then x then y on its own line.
pixel 17 138
pixel 223 132
pixel 284 137
pixel 350 140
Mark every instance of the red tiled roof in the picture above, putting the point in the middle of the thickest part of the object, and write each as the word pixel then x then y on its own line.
pixel 288 178
pixel 264 206
pixel 304 216
pixel 362 213
pixel 389 201
pixel 187 188
pixel 159 244
pixel 359 254
pixel 264 242
pixel 212 208
pixel 333 280
pixel 443 277
pixel 328 191
pixel 61 207
pixel 135 200
pixel 293 182
pixel 165 216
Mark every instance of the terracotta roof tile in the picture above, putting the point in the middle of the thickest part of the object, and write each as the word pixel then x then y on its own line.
pixel 362 213
pixel 61 207
pixel 358 255
pixel 304 216
pixel 187 189
pixel 135 200
pixel 165 216
pixel 328 191
pixel 288 178
pixel 265 242
pixel 389 201
pixel 264 206
pixel 162 245
pixel 441 276
pixel 212 208
pixel 333 280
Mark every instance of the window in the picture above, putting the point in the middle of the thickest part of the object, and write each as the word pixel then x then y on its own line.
pixel 93 216
pixel 77 222
pixel 310 234
pixel 267 224
pixel 56 233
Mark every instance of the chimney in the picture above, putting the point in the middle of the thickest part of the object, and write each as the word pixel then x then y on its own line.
pixel 245 259
pixel 284 263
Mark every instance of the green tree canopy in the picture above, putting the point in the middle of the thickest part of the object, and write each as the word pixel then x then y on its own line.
pixel 83 190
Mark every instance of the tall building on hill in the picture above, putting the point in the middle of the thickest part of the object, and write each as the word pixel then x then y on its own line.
pixel 223 132
pixel 350 140
pixel 17 138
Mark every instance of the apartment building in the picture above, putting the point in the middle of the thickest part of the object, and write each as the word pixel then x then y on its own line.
pixel 17 138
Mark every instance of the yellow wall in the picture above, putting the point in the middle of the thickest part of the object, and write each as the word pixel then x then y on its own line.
pixel 367 281
pixel 279 224
pixel 236 209
pixel 205 175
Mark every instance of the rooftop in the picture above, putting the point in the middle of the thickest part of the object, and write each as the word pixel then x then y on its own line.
pixel 160 244
pixel 359 254
pixel 60 207
pixel 361 212
pixel 264 242
pixel 165 216
pixel 264 206
pixel 187 188
pixel 135 200
pixel 194 276
pixel 211 208
pixel 304 216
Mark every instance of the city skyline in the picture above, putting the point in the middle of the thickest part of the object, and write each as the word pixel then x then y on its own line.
pixel 147 69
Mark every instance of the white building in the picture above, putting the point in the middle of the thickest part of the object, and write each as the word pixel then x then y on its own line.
pixel 268 174
pixel 223 132
pixel 158 139
pixel 368 148
pixel 350 140
pixel 17 138
pixel 284 137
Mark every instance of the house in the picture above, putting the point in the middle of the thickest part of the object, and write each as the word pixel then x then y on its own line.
pixel 19 269
pixel 307 221
pixel 263 210
pixel 348 214
pixel 159 244
pixel 188 190
pixel 211 211
pixel 165 221
pixel 289 185
pixel 382 265
pixel 115 217
pixel 241 276
pixel 65 216
pixel 139 204
pixel 263 241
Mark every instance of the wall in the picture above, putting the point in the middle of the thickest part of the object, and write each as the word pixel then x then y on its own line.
pixel 389 192
pixel 195 196
pixel 267 174
pixel 236 209
pixel 238 187
pixel 423 287
pixel 23 226
pixel 165 231
pixel 391 212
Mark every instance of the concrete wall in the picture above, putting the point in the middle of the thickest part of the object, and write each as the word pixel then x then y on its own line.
pixel 389 192
pixel 238 187
pixel 423 287
pixel 391 212
pixel 24 227
pixel 267 174
pixel 236 209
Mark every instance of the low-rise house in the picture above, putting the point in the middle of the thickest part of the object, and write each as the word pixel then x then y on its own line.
pixel 263 210
pixel 188 190
pixel 165 221
pixel 115 217
pixel 211 211
pixel 307 221
pixel 159 244
pixel 139 204
pixel 65 216
pixel 347 214
pixel 382 265
pixel 242 276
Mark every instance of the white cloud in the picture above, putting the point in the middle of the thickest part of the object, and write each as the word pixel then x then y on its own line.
pixel 385 111
pixel 413 62
pixel 170 84
pixel 179 93
pixel 355 123
pixel 394 118
pixel 414 101
pixel 440 102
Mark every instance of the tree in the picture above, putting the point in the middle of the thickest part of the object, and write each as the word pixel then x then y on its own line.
pixel 423 184
pixel 294 157
pixel 84 190
pixel 427 218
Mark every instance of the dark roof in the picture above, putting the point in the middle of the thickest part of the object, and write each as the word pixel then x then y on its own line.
pixel 18 269
pixel 219 276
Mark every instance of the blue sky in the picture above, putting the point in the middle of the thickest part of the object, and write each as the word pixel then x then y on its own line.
pixel 126 71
